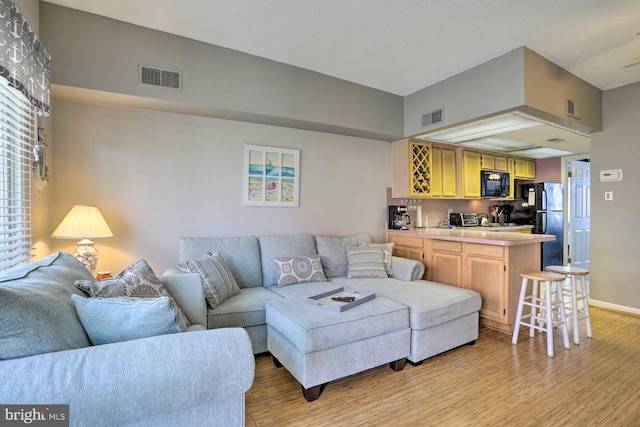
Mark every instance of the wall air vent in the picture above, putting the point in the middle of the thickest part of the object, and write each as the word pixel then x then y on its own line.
pixel 572 108
pixel 160 77
pixel 433 117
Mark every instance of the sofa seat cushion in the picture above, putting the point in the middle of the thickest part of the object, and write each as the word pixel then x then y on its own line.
pixel 36 312
pixel 310 328
pixel 242 310
pixel 429 303
pixel 304 289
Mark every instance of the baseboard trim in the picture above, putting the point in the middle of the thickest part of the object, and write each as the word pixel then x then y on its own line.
pixel 614 307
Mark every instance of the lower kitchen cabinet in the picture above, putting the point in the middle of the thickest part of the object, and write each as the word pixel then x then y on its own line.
pixel 406 246
pixel 445 261
pixel 491 270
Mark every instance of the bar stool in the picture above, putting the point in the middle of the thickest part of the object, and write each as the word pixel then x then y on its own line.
pixel 547 319
pixel 578 293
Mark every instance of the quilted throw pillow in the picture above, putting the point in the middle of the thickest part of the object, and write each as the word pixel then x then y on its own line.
pixel 366 261
pixel 387 248
pixel 299 270
pixel 140 281
pixel 218 282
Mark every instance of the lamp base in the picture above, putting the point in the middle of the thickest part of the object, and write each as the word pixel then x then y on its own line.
pixel 87 254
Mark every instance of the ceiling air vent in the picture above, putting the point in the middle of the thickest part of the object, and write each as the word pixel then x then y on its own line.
pixel 433 117
pixel 160 77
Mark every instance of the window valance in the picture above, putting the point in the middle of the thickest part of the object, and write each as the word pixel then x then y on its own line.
pixel 24 61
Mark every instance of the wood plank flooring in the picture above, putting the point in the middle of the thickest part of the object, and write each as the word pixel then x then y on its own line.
pixel 492 383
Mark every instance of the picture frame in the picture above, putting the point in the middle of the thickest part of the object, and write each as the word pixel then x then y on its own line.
pixel 271 176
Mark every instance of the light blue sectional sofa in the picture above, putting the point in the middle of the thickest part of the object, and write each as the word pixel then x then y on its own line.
pixel 441 317
pixel 193 378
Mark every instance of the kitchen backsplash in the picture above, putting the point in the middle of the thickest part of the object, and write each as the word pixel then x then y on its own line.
pixel 436 209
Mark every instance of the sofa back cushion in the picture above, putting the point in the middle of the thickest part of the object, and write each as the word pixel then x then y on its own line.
pixel 272 247
pixel 36 312
pixel 333 252
pixel 241 255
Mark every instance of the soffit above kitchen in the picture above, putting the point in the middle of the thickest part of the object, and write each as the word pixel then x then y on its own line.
pixel 517 134
pixel 520 103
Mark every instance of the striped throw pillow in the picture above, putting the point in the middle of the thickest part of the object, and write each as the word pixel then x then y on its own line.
pixel 366 261
pixel 218 282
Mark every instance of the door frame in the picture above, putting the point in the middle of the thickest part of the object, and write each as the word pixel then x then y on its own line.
pixel 564 170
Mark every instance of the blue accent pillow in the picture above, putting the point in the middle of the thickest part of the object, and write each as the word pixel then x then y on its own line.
pixel 109 320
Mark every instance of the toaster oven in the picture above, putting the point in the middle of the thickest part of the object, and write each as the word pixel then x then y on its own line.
pixel 463 219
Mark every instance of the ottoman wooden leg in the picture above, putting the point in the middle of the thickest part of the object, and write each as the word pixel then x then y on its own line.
pixel 312 393
pixel 276 362
pixel 398 365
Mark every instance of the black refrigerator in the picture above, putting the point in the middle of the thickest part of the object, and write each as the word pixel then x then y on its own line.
pixel 543 207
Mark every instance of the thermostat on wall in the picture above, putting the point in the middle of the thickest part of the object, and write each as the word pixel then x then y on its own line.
pixel 611 175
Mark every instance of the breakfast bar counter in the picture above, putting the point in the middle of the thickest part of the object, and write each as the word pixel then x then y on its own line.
pixel 478 235
pixel 489 262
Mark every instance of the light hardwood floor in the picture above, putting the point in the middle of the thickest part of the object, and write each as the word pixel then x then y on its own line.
pixel 492 383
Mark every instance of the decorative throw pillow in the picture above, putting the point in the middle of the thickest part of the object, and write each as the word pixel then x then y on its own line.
pixel 388 251
pixel 218 282
pixel 109 320
pixel 36 312
pixel 140 281
pixel 366 261
pixel 299 270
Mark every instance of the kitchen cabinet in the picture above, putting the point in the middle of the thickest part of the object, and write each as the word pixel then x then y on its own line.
pixel 443 172
pixel 491 270
pixel 470 166
pixel 406 246
pixel 525 169
pixel 485 272
pixel 493 162
pixel 511 168
pixel 445 261
pixel 411 168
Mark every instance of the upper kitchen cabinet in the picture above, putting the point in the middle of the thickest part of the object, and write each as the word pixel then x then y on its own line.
pixel 412 169
pixel 493 162
pixel 469 163
pixel 443 172
pixel 525 169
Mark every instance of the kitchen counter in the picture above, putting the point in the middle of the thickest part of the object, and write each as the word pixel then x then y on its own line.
pixel 481 235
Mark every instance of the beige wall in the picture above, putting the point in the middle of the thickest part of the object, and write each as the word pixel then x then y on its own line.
pixel 615 237
pixel 157 176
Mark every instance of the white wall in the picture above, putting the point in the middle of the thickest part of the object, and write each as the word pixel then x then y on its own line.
pixel 158 176
pixel 615 236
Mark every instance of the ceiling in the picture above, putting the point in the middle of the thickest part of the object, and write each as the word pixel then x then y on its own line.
pixel 402 46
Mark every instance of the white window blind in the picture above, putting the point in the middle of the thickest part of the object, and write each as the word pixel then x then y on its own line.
pixel 17 138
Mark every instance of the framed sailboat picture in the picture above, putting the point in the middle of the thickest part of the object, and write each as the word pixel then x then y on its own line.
pixel 271 176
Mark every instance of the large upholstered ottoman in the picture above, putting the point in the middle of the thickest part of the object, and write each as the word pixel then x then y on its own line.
pixel 318 345
pixel 442 317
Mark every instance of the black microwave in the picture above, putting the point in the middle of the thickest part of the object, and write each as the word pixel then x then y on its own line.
pixel 494 183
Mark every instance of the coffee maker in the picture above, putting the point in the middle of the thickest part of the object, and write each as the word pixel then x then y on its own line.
pixel 398 218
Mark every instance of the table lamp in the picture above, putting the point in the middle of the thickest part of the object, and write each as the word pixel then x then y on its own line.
pixel 84 222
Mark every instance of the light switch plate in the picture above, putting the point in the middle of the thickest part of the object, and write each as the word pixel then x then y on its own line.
pixel 608 195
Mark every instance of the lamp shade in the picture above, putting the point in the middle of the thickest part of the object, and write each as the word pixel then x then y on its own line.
pixel 83 222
